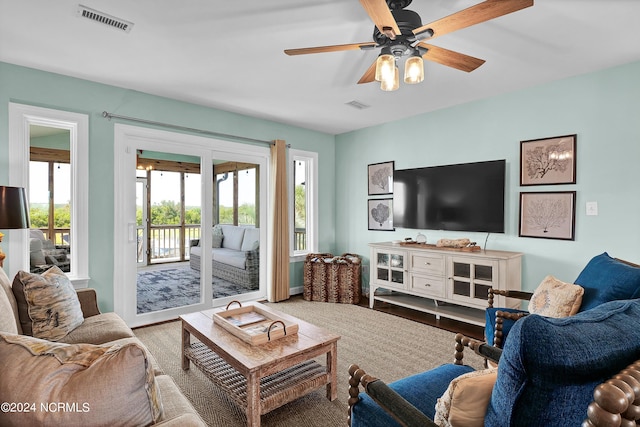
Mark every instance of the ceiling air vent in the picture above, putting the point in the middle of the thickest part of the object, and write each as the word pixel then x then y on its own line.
pixel 104 18
pixel 357 104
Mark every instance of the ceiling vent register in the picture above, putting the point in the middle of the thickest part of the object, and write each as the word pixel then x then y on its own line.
pixel 104 18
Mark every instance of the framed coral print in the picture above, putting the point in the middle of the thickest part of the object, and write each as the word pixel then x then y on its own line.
pixel 380 178
pixel 548 161
pixel 549 215
pixel 380 214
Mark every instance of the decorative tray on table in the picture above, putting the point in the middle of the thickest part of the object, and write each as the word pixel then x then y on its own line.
pixel 253 324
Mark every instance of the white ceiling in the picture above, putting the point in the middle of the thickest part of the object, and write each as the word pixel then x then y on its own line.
pixel 229 54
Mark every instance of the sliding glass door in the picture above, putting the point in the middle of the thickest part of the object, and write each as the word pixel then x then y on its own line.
pixel 177 192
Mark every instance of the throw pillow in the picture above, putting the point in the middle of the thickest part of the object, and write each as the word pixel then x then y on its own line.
pixel 8 307
pixel 48 305
pixel 555 298
pixel 608 279
pixel 77 384
pixel 465 401
pixel 218 236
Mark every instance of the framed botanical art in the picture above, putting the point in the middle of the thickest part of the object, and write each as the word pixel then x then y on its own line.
pixel 380 214
pixel 549 215
pixel 548 161
pixel 380 178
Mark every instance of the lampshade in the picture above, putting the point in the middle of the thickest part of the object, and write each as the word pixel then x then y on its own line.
pixel 14 209
pixel 414 69
pixel 384 66
pixel 391 82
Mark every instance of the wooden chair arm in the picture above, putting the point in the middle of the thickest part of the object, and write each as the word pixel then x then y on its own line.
pixel 498 335
pixel 509 293
pixel 616 402
pixel 481 348
pixel 391 402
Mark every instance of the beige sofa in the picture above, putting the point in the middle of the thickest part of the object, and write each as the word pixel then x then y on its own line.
pixel 103 329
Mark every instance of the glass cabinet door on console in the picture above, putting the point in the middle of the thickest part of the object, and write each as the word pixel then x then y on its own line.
pixel 390 269
pixel 471 280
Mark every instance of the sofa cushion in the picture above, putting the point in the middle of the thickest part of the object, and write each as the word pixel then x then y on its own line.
pixel 465 401
pixel 99 329
pixel 251 240
pixel 48 305
pixel 555 298
pixel 608 279
pixel 176 407
pixel 8 307
pixel 230 257
pixel 550 366
pixel 421 390
pixel 233 236
pixel 216 236
pixel 98 385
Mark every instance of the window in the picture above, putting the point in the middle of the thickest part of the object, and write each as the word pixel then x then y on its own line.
pixel 63 178
pixel 235 200
pixel 303 198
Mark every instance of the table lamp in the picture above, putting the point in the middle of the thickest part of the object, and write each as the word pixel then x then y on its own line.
pixel 14 211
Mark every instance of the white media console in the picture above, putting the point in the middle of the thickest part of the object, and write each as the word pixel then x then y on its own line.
pixel 446 282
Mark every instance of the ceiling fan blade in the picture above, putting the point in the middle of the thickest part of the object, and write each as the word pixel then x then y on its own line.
pixel 334 48
pixel 369 75
pixel 451 59
pixel 473 15
pixel 380 14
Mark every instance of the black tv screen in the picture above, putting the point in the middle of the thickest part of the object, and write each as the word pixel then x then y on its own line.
pixel 463 197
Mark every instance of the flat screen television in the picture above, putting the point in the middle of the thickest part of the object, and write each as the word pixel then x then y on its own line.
pixel 462 197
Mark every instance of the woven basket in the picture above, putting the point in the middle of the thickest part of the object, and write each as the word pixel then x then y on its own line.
pixel 329 278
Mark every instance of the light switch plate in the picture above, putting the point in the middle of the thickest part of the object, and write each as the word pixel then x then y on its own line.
pixel 592 208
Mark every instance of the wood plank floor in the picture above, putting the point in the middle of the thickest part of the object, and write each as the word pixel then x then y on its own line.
pixel 455 326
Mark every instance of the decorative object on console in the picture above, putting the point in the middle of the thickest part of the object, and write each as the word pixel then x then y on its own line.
pixel 454 243
pixel 549 215
pixel 380 178
pixel 14 211
pixel 421 238
pixel 380 214
pixel 548 161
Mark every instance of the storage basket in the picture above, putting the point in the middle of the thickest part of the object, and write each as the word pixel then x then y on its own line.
pixel 330 278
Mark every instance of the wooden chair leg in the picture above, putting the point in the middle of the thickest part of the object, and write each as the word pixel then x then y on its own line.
pixel 355 375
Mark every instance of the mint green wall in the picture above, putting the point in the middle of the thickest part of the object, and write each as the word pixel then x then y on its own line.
pixel 602 108
pixel 38 88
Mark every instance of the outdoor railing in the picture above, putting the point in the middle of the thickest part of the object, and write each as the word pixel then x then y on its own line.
pixel 166 242
pixel 300 239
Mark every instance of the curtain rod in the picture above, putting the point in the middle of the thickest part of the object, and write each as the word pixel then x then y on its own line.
pixel 110 116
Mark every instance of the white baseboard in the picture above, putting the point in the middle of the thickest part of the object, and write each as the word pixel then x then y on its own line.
pixel 297 290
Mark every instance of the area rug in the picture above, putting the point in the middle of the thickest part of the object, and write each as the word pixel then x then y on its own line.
pixel 385 346
pixel 176 287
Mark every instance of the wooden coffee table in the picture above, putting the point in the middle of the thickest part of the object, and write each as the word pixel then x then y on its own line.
pixel 261 378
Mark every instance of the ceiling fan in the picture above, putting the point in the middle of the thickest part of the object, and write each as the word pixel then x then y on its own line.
pixel 399 32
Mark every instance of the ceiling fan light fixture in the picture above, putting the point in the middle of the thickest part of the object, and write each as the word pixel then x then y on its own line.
pixel 385 65
pixel 414 69
pixel 391 82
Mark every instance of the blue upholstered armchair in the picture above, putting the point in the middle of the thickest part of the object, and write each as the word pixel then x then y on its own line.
pixel 604 279
pixel 548 374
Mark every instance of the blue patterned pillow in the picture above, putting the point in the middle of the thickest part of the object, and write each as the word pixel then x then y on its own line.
pixel 608 279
